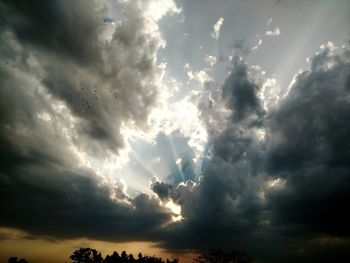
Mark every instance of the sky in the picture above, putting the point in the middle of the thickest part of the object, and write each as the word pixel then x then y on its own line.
pixel 175 126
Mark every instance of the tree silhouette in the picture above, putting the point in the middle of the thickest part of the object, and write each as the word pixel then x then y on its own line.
pixel 89 255
pixel 86 255
pixel 219 256
pixel 14 260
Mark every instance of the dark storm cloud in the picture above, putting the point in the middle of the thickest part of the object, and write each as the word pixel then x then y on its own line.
pixel 67 204
pixel 53 64
pixel 163 190
pixel 310 148
pixel 307 144
pixel 167 192
pixel 46 190
pixel 94 74
pixel 67 28
pixel 42 188
pixel 241 93
pixel 223 209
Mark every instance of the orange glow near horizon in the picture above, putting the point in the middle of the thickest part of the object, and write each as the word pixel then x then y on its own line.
pixel 18 243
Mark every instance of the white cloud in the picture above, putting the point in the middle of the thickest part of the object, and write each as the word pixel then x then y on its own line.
pixel 211 60
pixel 216 28
pixel 258 45
pixel 202 76
pixel 159 8
pixel 273 33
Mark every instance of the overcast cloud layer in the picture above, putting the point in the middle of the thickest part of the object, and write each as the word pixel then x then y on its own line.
pixel 273 178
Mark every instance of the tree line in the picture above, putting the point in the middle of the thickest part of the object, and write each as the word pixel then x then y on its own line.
pixel 90 255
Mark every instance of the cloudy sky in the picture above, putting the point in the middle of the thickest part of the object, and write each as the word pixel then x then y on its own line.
pixel 174 126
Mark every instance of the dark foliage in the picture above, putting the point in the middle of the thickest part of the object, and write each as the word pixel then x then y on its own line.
pixel 14 260
pixel 219 256
pixel 86 255
pixel 89 255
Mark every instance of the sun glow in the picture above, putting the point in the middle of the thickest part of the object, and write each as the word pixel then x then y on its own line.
pixel 175 209
pixel 276 183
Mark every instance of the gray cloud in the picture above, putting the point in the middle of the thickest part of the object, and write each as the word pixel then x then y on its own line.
pixel 223 208
pixel 95 77
pixel 163 190
pixel 56 27
pixel 241 93
pixel 62 95
pixel 235 204
pixel 43 188
pixel 66 90
pixel 309 147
